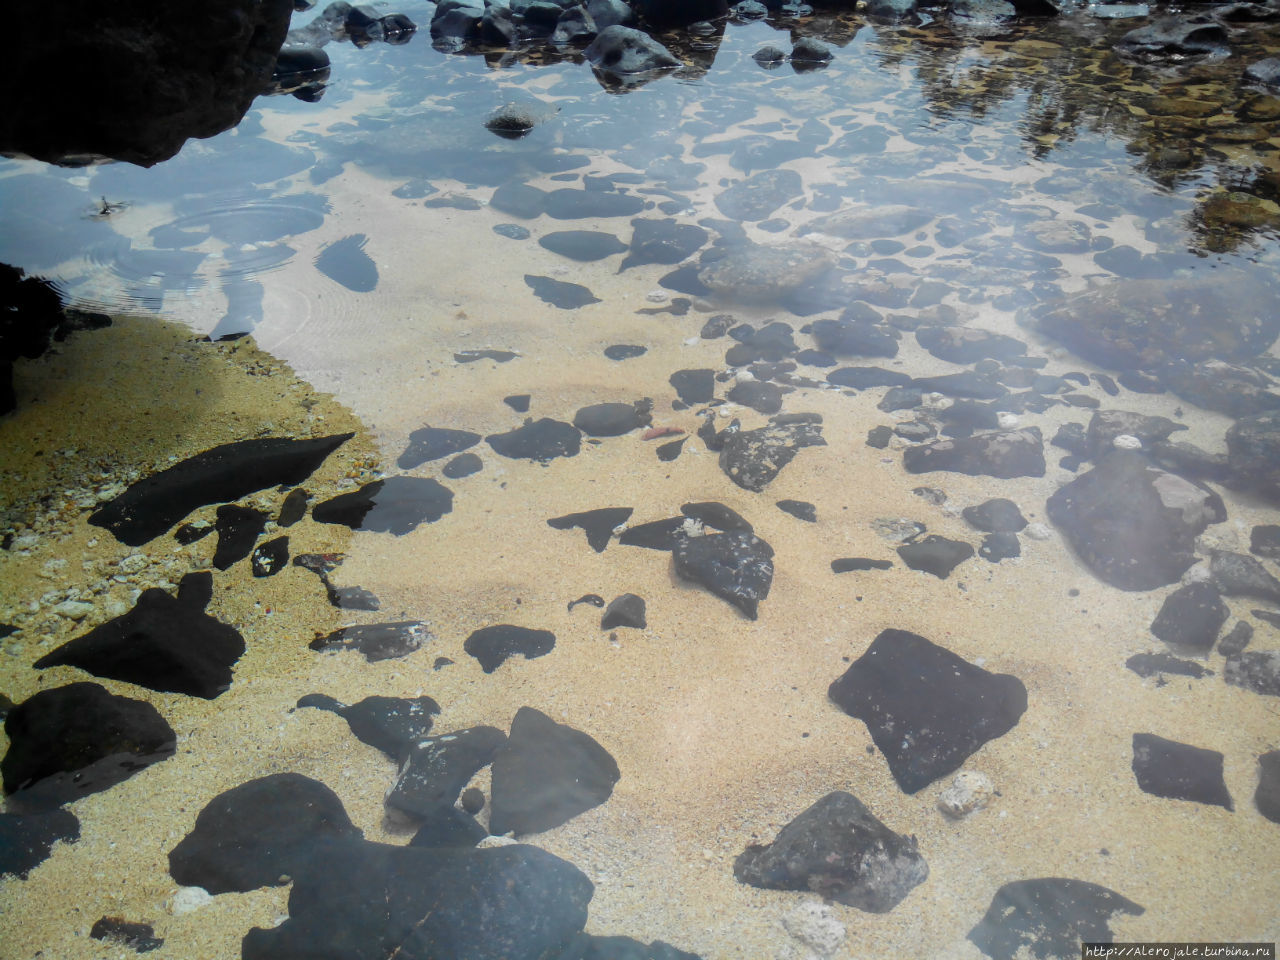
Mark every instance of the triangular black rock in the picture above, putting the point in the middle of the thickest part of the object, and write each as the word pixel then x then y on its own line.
pixel 493 645
pixel 1048 918
pixel 656 534
pixel 839 850
pixel 161 644
pixel 259 833
pixel 434 443
pixel 936 555
pixel 736 566
pixel 1179 771
pixel 546 774
pixel 154 504
pixel 75 740
pixel 394 505
pixel 597 524
pixel 927 709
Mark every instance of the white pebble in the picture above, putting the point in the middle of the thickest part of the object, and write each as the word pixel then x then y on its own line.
pixel 73 609
pixel 1127 442
pixel 1038 531
pixel 656 296
pixel 1008 421
pixel 25 542
pixel 189 899
pixel 815 925
pixel 133 563
pixel 969 791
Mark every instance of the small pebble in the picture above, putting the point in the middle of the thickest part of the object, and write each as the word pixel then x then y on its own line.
pixel 1038 531
pixel 1126 442
pixel 188 899
pixel 814 924
pixel 969 791
pixel 73 609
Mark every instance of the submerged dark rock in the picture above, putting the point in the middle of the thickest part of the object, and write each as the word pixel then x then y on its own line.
pixel 752 458
pixel 1256 670
pixel 1005 454
pixel 717 516
pixel 493 645
pixel 238 530
pixel 998 515
pixel 1267 797
pixel 967 344
pixel 800 509
pixel 839 850
pixel 395 505
pixel 376 641
pixel 135 936
pixel 75 740
pixel 1158 664
pixel 546 774
pixel 434 771
pixel 542 440
pixel 756 197
pixel 694 386
pixel 627 610
pixel 1133 524
pixel 858 564
pixel 624 51
pixel 345 262
pixel 270 558
pixel 999 546
pixel 735 566
pixel 508 903
pixel 597 524
pixel 27 839
pixel 1240 575
pixel 1190 618
pixel 463 465
pixel 927 710
pixel 1253 454
pixel 1048 917
pixel 161 644
pixel 585 246
pixel 1179 771
pixel 613 419
pixel 435 443
pixel 259 834
pixel 662 242
pixel 656 534
pixel 936 555
pixel 152 505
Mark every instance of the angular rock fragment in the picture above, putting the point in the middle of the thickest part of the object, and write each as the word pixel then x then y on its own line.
pixel 1190 618
pixel 839 850
pixel 154 504
pixel 752 458
pixel 1179 771
pixel 162 644
pixel 546 774
pixel 434 771
pixel 627 610
pixel 542 440
pixel 999 546
pixel 259 834
pixel 597 524
pixel 75 740
pixel 735 566
pixel 26 840
pixel 1048 917
pixel 395 505
pixel 391 724
pixel 1256 670
pixel 1005 454
pixel 493 645
pixel 435 443
pixel 1132 524
pixel 656 534
pixel 927 710
pixel 1240 575
pixel 376 641
pixel 936 555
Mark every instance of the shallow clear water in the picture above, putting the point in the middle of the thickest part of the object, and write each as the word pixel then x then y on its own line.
pixel 938 175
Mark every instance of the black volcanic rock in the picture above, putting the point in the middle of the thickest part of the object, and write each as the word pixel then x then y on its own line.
pixel 1253 452
pixel 493 645
pixel 560 293
pixel 613 419
pixel 927 710
pixel 735 566
pixel 238 530
pixel 1179 771
pixel 694 386
pixel 717 516
pixel 434 771
pixel 967 344
pixel 1158 664
pixel 656 534
pixel 395 505
pixel 1240 575
pixel 139 937
pixel 255 834
pixel 597 524
pixel 463 465
pixel 800 509
pixel 1132 524
pixel 839 850
pixel 999 546
pixel 936 555
pixel 376 641
pixel 152 505
pixel 995 516
pixel 627 610
pixel 752 458
pixel 448 826
pixel 863 378
pixel 391 724
pixel 542 440
pixel 369 901
pixel 78 739
pixel 1004 454
pixel 435 443
pixel 857 564
pixel 546 774
pixel 161 644
pixel 27 839
pixel 270 558
pixel 1267 796
pixel 1256 670
pixel 1048 917
pixel 1190 618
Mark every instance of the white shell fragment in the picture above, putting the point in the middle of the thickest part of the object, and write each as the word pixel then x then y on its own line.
pixel 969 791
